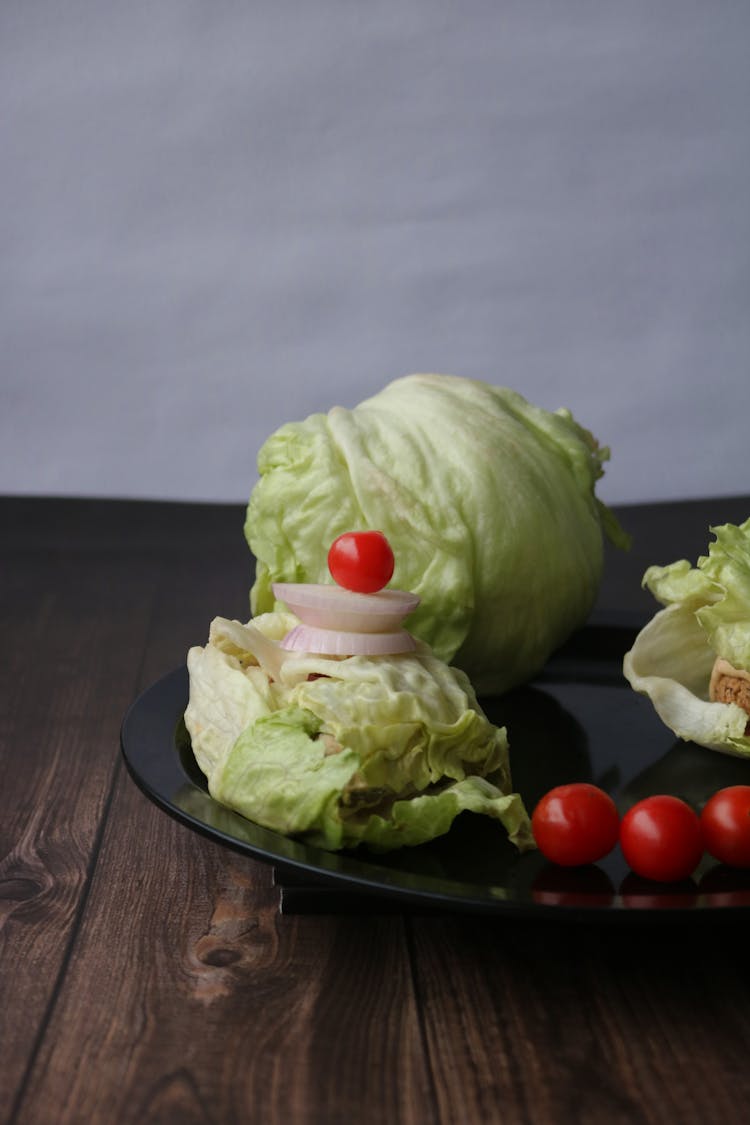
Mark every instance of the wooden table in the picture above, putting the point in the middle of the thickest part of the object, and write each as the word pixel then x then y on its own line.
pixel 147 974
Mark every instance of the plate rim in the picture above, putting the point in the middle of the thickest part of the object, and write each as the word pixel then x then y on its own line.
pixel 325 868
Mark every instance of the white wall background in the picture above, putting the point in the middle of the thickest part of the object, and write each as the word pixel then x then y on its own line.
pixel 216 217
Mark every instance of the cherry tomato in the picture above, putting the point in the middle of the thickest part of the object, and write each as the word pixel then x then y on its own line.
pixel 725 821
pixel 575 824
pixel 661 839
pixel 361 561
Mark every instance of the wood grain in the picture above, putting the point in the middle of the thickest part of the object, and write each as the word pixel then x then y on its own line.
pixel 585 1024
pixel 71 653
pixel 146 973
pixel 187 996
pixel 81 583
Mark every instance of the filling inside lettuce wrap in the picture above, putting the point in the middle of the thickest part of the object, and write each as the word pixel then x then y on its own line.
pixel 378 750
pixel 693 657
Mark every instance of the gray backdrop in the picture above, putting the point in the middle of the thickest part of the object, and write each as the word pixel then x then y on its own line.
pixel 215 217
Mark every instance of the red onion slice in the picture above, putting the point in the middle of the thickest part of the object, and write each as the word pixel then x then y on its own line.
pixel 332 607
pixel 337 642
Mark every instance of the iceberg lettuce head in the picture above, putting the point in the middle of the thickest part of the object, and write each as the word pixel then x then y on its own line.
pixel 699 638
pixel 487 501
pixel 381 751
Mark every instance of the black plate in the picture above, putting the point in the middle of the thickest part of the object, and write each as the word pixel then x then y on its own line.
pixel 579 721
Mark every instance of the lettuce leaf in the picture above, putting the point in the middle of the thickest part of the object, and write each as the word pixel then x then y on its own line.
pixel 382 751
pixel 706 615
pixel 488 503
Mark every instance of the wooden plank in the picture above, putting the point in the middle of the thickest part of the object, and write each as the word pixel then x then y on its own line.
pixel 80 582
pixel 147 975
pixel 188 997
pixel 567 1023
pixel 71 648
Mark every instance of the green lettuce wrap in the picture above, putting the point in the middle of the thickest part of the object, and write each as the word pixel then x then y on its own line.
pixel 487 501
pixel 382 751
pixel 693 658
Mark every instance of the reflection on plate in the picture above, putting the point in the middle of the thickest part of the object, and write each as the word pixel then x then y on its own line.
pixel 578 722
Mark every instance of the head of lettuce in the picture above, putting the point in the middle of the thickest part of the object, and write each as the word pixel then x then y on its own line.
pixel 487 501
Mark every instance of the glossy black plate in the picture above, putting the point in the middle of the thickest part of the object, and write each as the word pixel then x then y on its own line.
pixel 579 721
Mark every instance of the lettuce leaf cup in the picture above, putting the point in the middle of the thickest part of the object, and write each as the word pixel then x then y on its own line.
pixel 489 504
pixel 384 751
pixel 693 658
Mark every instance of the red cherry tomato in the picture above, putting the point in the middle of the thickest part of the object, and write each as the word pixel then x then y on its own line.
pixel 575 824
pixel 725 821
pixel 361 561
pixel 661 839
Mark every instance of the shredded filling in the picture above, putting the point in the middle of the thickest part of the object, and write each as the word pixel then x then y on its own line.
pixel 730 685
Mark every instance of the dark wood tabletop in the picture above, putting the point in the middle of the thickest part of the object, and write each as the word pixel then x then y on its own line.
pixel 147 974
